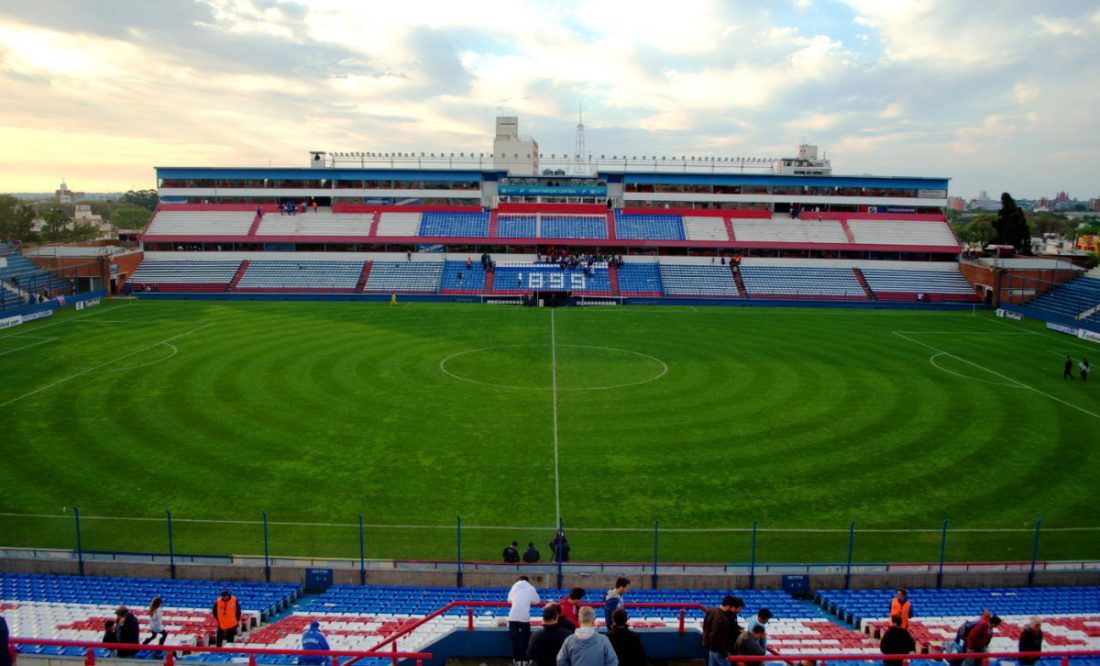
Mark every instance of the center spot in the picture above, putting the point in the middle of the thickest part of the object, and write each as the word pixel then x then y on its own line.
pixel 579 367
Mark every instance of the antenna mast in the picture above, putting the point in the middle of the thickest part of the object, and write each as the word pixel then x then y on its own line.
pixel 579 151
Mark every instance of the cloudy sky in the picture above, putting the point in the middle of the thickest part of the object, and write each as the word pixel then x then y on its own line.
pixel 998 95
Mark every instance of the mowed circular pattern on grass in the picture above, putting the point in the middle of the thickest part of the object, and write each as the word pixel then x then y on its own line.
pixel 317 412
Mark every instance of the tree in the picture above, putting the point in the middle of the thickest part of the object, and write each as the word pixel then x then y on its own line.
pixel 16 219
pixel 979 230
pixel 146 199
pixel 129 217
pixel 1011 226
pixel 56 220
pixel 1048 223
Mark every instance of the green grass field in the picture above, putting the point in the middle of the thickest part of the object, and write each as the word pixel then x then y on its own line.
pixel 613 418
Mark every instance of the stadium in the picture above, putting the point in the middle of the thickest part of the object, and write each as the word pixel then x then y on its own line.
pixel 340 391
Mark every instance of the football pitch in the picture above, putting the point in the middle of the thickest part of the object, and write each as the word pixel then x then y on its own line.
pixel 608 419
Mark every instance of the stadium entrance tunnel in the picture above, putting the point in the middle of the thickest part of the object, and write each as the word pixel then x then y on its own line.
pixel 660 644
pixel 558 367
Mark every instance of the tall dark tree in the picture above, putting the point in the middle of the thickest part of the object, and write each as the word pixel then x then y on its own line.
pixel 146 199
pixel 1011 226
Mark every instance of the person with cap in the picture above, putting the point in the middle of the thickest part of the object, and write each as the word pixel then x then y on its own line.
pixel 626 643
pixel 720 629
pixel 900 605
pixel 126 630
pixel 522 596
pixel 227 613
pixel 313 639
pixel 545 643
pixel 585 647
pixel 1031 640
pixel 762 617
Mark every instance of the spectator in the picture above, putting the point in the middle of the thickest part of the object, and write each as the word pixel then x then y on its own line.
pixel 900 605
pixel 126 630
pixel 1031 640
pixel 109 634
pixel 614 599
pixel 1084 367
pixel 559 545
pixel 626 643
pixel 227 613
pixel 585 647
pixel 531 555
pixel 510 554
pixel 749 642
pixel 979 637
pixel 5 650
pixel 571 603
pixel 313 639
pixel 896 640
pixel 762 617
pixel 546 642
pixel 522 596
pixel 1067 369
pixel 720 630
pixel 156 622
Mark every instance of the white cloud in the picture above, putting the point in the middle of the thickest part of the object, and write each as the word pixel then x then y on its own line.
pixel 1059 26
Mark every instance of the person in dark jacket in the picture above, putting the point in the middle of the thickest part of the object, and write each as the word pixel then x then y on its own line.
pixel 748 643
pixel 511 553
pixel 5 653
pixel 126 630
pixel 628 645
pixel 896 640
pixel 545 643
pixel 1031 640
pixel 313 639
pixel 531 555
pixel 559 548
pixel 720 630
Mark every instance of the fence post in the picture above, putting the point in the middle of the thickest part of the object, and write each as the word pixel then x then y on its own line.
pixel 943 552
pixel 362 554
pixel 1034 553
pixel 848 569
pixel 171 549
pixel 79 548
pixel 656 527
pixel 267 563
pixel 458 559
pixel 752 559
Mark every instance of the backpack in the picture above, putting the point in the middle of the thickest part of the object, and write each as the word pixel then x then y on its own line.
pixel 964 631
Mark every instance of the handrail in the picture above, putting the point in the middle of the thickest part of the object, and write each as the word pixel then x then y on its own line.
pixel 812 659
pixel 237 648
pixel 471 605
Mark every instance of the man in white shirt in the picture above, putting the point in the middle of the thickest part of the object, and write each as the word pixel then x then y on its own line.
pixel 522 596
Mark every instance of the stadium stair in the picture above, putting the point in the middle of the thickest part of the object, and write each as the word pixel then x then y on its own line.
pixel 493 224
pixel 374 223
pixel 729 228
pixel 363 277
pixel 256 224
pixel 741 291
pixel 863 283
pixel 611 235
pixel 489 275
pixel 237 276
pixel 613 274
pixel 848 231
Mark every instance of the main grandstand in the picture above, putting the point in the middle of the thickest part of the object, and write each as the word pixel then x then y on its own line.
pixel 646 230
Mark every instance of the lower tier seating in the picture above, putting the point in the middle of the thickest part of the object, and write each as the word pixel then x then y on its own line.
pixel 458 278
pixel 218 273
pixel 640 279
pixel 526 277
pixel 404 276
pixel 801 282
pixel 1072 299
pixel 698 280
pixel 900 284
pixel 301 275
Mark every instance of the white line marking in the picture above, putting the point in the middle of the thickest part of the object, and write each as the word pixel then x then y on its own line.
pixel 662 373
pixel 39 327
pixel 101 365
pixel 554 386
pixel 132 321
pixel 41 341
pixel 146 364
pixel 962 333
pixel 933 358
pixel 1005 377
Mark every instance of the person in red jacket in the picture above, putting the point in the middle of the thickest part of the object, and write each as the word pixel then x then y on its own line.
pixel 570 603
pixel 979 637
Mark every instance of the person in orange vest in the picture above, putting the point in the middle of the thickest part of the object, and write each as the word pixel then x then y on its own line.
pixel 901 607
pixel 227 613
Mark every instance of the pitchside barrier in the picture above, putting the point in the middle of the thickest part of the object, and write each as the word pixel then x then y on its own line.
pixel 72 540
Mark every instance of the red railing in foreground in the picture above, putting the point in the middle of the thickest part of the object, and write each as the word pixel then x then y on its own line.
pixel 235 648
pixel 812 659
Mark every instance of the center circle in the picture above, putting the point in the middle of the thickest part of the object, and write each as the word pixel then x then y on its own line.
pixel 530 367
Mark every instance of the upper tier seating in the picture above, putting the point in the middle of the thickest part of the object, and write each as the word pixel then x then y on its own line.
pixel 640 279
pixel 650 227
pixel 782 230
pixel 793 282
pixel 458 278
pixel 469 225
pixel 704 229
pixel 697 280
pixel 201 223
pixel 549 277
pixel 1072 299
pixel 516 226
pixel 398 224
pixel 572 226
pixel 901 232
pixel 185 272
pixel 946 283
pixel 301 275
pixel 404 276
pixel 321 223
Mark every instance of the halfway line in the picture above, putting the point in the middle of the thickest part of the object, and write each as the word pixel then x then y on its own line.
pixel 554 392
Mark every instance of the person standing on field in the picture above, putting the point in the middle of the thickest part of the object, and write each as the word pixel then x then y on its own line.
pixel 1084 368
pixel 1067 369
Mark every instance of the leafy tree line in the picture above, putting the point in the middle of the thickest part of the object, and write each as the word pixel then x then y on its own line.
pixel 132 211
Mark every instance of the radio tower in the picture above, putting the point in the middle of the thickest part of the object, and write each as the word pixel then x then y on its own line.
pixel 579 151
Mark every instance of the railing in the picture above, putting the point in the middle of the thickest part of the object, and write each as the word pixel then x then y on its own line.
pixel 813 659
pixel 170 650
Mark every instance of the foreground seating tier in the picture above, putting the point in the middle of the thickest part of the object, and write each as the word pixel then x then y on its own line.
pixel 185 272
pixel 404 276
pixel 1072 299
pixel 698 280
pixel 549 277
pixel 884 282
pixel 460 279
pixel 640 279
pixel 301 275
pixel 795 282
